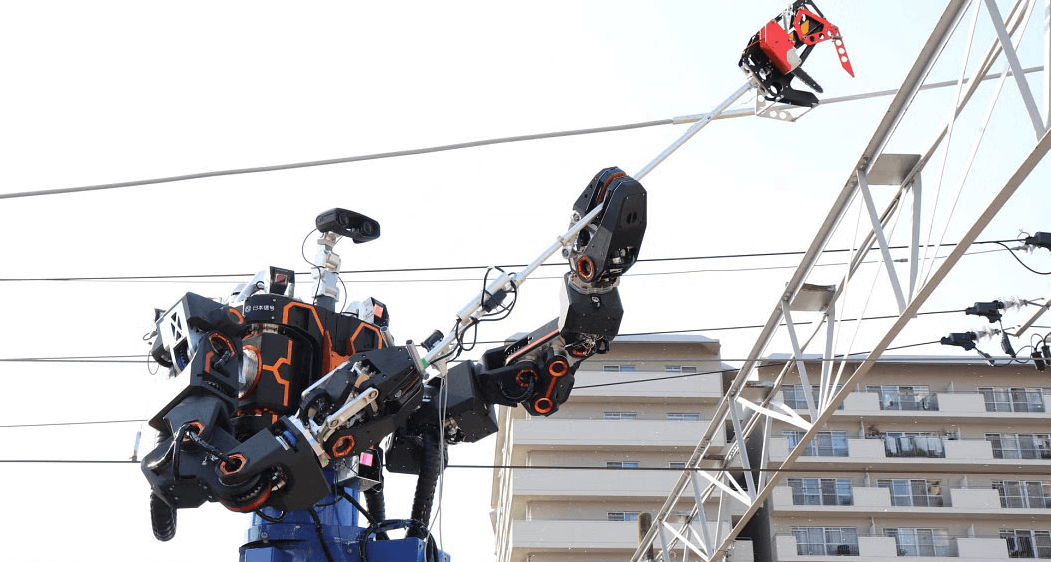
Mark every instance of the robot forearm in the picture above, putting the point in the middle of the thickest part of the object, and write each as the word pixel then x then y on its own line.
pixel 537 370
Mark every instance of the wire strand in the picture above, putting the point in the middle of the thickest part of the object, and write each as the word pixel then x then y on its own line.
pixel 979 470
pixel 231 277
pixel 344 160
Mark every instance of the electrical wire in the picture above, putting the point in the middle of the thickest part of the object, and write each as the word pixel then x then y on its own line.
pixel 64 424
pixel 271 519
pixel 578 387
pixel 357 505
pixel 979 470
pixel 344 160
pixel 131 358
pixel 438 148
pixel 320 534
pixel 732 369
pixel 1015 256
pixel 233 277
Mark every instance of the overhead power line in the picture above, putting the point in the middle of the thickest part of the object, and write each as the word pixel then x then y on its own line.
pixel 464 145
pixel 140 358
pixel 225 276
pixel 987 470
pixel 344 160
pixel 64 424
pixel 857 356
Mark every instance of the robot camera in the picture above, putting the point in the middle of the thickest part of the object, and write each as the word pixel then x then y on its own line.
pixel 355 226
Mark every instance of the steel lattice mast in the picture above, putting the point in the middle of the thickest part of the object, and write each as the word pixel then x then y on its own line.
pixel 711 467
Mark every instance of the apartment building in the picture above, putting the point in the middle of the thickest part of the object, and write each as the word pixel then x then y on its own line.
pixel 611 453
pixel 930 458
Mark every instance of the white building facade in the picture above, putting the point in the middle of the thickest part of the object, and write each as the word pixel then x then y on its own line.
pixel 928 459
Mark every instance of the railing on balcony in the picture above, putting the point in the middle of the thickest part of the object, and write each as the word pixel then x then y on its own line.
pixel 1026 543
pixel 1023 493
pixel 906 398
pixel 922 446
pixel 826 541
pixel 913 492
pixel 890 543
pixel 1020 445
pixel 922 542
pixel 1013 399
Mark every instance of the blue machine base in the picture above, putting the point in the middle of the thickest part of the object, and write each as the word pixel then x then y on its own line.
pixel 395 550
pixel 298 538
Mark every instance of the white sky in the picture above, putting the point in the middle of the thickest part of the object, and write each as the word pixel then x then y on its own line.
pixel 113 91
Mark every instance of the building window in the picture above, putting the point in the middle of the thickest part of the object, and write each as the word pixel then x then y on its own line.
pixel 913 492
pixel 913 444
pixel 683 417
pixel 921 542
pixel 1025 543
pixel 619 368
pixel 795 398
pixel 622 516
pixel 622 464
pixel 678 465
pixel 1020 445
pixel 1023 493
pixel 1001 399
pixel 821 491
pixel 826 541
pixel 894 397
pixel 824 444
pixel 684 369
pixel 622 415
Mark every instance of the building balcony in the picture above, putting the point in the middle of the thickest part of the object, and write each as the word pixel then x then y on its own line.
pixel 936 406
pixel 617 539
pixel 959 503
pixel 654 435
pixel 591 535
pixel 657 385
pixel 873 548
pixel 578 485
pixel 955 454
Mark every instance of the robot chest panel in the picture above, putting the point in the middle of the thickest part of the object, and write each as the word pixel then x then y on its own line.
pixel 282 369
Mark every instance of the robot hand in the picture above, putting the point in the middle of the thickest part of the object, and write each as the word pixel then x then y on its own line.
pixel 772 60
pixel 362 401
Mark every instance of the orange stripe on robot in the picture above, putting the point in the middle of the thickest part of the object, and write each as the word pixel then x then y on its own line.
pixel 364 325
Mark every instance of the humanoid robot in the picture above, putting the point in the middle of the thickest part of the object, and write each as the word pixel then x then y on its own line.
pixel 287 403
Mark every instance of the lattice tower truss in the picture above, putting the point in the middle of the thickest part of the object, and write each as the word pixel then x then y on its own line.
pixel 750 404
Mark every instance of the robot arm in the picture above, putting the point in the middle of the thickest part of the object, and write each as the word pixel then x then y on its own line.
pixel 202 453
pixel 537 371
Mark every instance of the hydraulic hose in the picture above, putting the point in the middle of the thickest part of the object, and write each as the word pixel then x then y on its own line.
pixel 430 469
